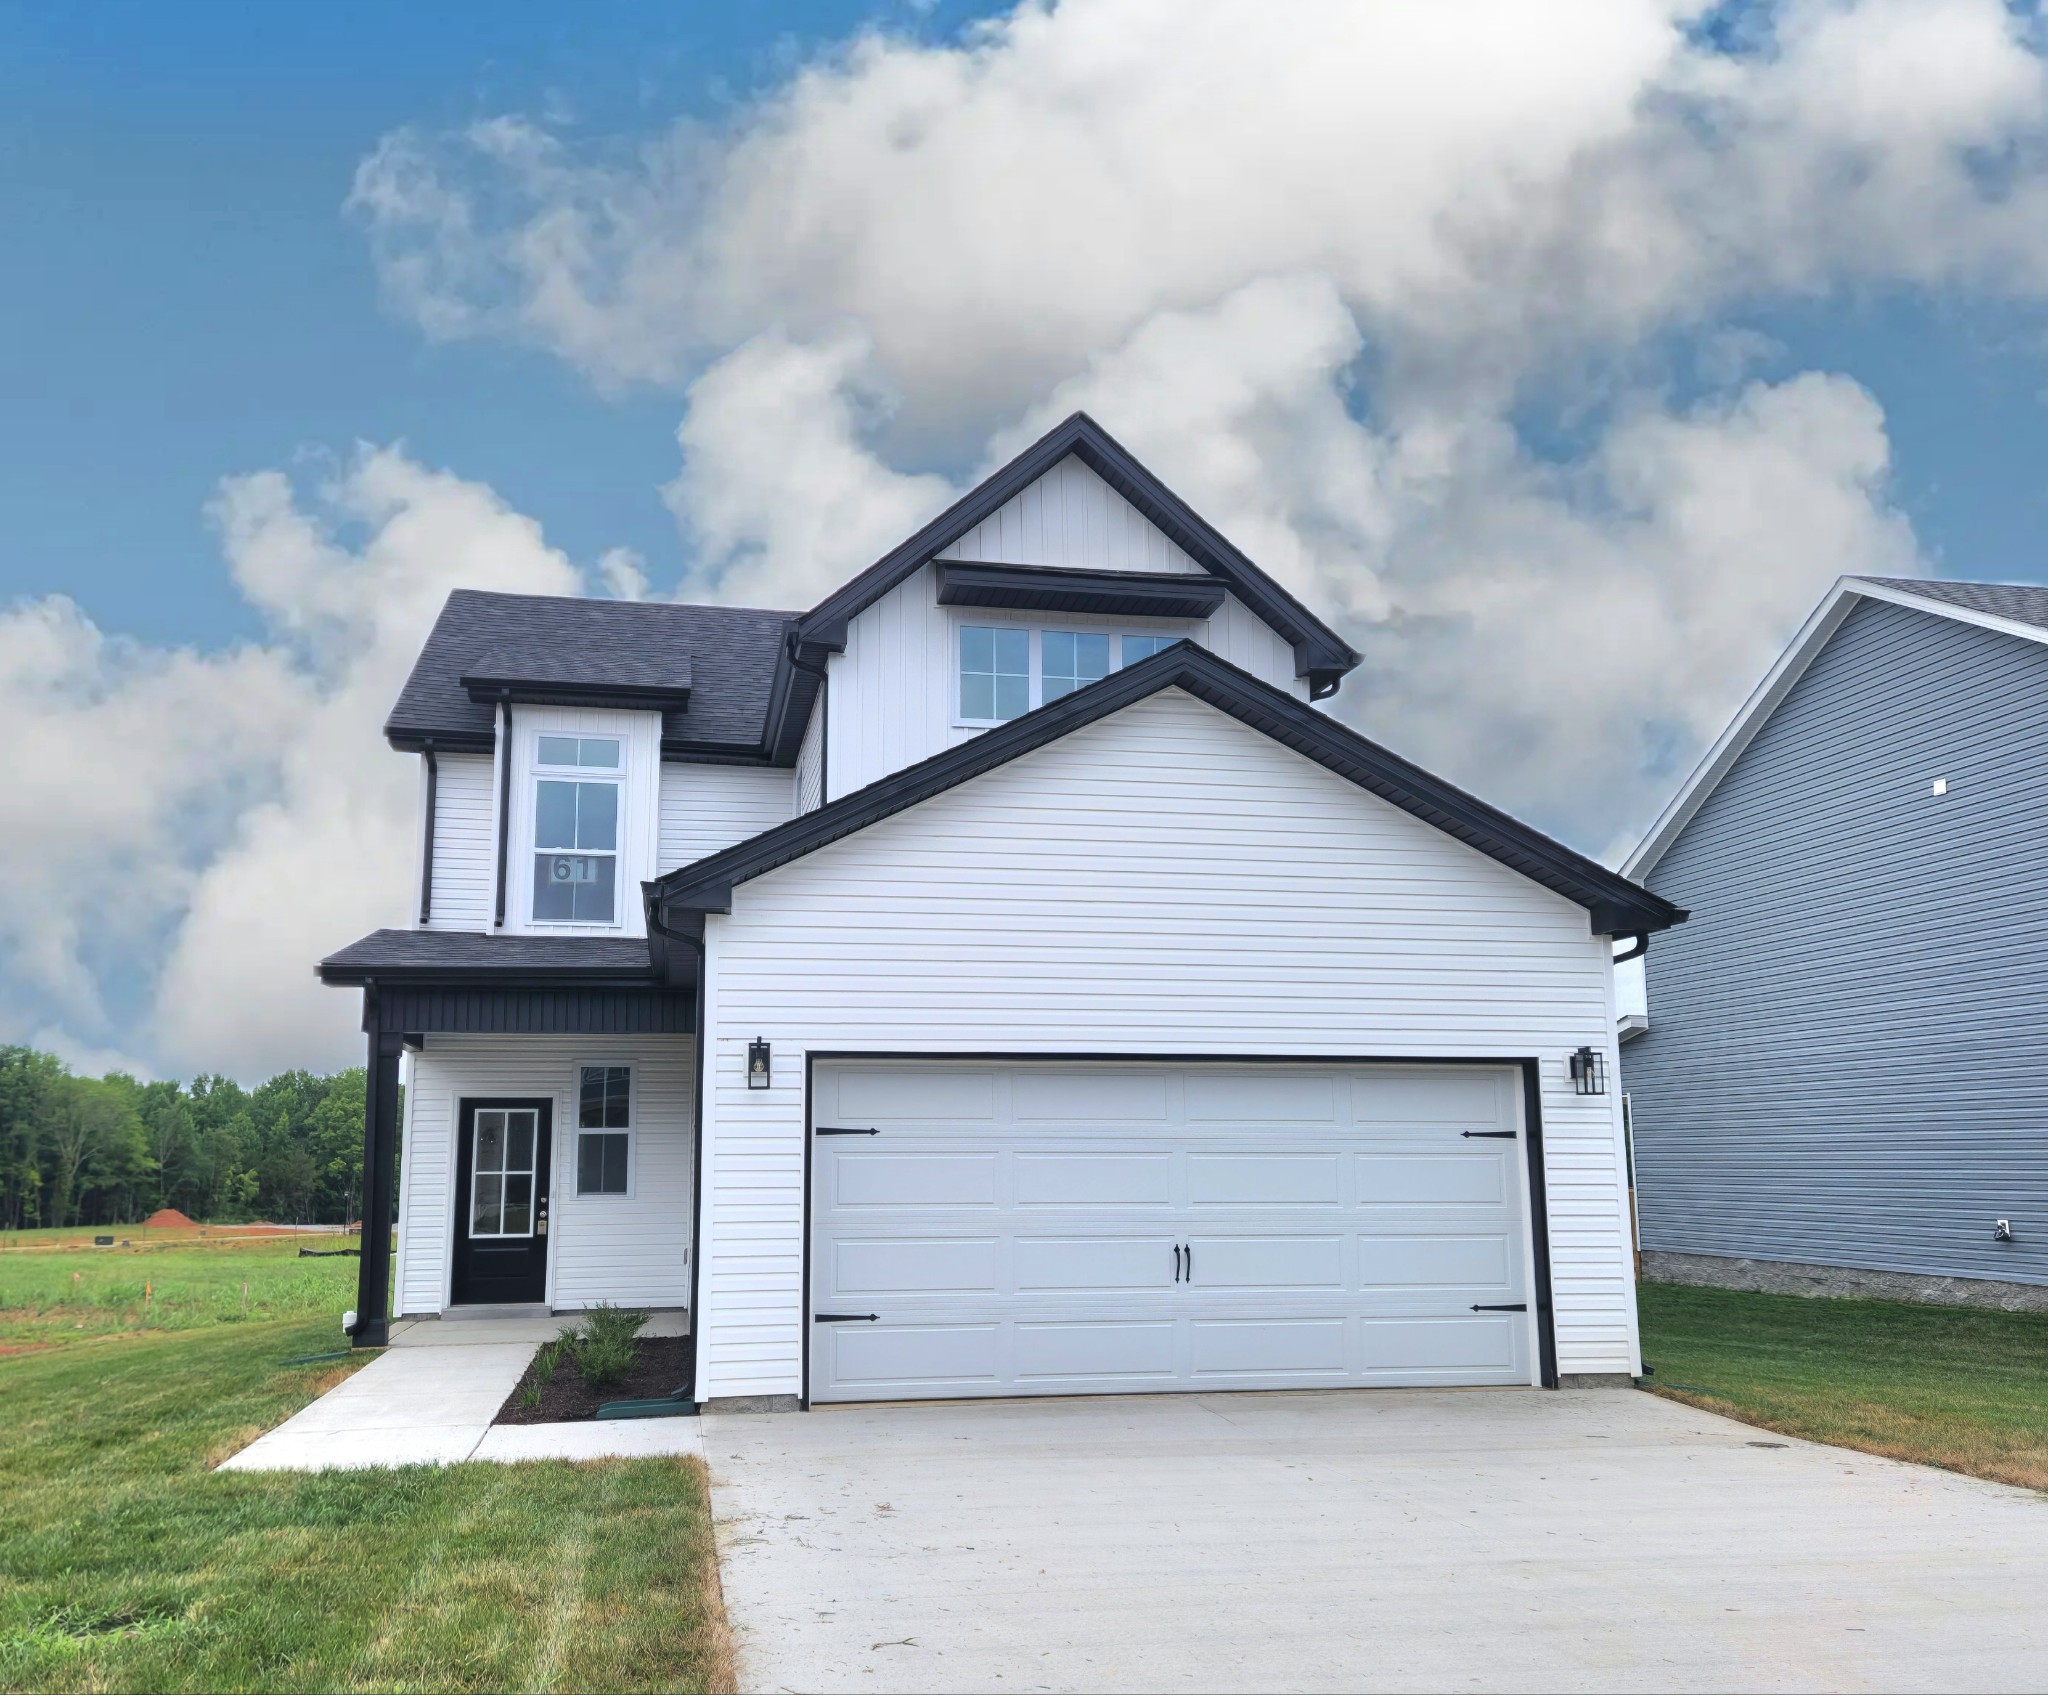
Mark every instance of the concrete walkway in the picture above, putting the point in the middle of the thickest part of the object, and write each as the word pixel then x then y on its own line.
pixel 430 1399
pixel 1491 1540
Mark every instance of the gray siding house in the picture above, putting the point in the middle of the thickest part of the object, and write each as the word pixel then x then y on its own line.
pixel 1843 1081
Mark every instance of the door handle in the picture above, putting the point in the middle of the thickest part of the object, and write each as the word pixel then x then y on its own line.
pixel 1176 1262
pixel 1190 1251
pixel 843 1317
pixel 1512 1306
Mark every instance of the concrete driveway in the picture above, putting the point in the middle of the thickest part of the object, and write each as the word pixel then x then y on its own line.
pixel 1593 1539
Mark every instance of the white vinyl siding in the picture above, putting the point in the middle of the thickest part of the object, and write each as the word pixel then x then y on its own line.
pixel 1071 517
pixel 810 760
pixel 893 689
pixel 705 808
pixel 629 1249
pixel 464 846
pixel 1165 881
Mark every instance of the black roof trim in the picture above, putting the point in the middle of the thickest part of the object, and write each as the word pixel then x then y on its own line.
pixel 1616 905
pixel 1319 652
pixel 1048 588
pixel 536 680
pixel 455 957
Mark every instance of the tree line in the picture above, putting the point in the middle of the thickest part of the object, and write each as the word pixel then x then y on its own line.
pixel 110 1150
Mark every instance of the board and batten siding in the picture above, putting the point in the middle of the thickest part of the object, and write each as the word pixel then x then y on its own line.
pixel 465 849
pixel 1847 1058
pixel 1070 517
pixel 708 807
pixel 629 1249
pixel 892 689
pixel 1164 882
pixel 810 761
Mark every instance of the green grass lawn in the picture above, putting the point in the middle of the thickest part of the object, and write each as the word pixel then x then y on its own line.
pixel 53 1289
pixel 127 1564
pixel 1947 1386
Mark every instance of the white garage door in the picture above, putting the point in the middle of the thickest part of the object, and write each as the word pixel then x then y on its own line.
pixel 1059 1228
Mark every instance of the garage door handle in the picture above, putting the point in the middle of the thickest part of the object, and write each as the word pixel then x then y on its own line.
pixel 1176 1262
pixel 1489 1135
pixel 1515 1306
pixel 836 1130
pixel 843 1317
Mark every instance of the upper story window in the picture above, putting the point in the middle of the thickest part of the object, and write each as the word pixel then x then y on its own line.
pixel 576 830
pixel 1005 672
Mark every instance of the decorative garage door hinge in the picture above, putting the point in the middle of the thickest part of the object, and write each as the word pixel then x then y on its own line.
pixel 844 1317
pixel 1513 1306
pixel 1488 1135
pixel 837 1130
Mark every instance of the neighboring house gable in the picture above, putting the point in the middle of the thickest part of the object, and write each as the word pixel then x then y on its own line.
pixel 1846 1062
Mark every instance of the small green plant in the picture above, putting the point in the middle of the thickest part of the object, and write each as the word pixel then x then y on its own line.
pixel 605 1344
pixel 529 1394
pixel 545 1362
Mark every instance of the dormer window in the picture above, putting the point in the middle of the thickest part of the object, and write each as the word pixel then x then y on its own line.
pixel 1006 671
pixel 576 829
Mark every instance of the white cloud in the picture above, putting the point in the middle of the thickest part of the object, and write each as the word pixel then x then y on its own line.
pixel 219 822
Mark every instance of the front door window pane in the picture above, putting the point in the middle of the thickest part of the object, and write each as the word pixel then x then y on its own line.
pixel 503 1172
pixel 995 673
pixel 1072 660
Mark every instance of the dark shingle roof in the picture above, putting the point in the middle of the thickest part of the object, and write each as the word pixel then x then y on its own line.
pixel 402 953
pixel 726 654
pixel 2023 603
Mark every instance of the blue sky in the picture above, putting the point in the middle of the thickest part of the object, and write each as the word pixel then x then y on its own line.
pixel 1561 355
pixel 188 299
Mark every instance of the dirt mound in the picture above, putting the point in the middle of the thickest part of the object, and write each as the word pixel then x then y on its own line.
pixel 169 1218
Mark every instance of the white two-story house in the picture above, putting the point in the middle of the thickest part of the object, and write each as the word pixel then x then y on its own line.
pixel 1002 978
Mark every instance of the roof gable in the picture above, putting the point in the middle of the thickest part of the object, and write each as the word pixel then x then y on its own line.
pixel 1615 905
pixel 2014 609
pixel 1070 517
pixel 1321 655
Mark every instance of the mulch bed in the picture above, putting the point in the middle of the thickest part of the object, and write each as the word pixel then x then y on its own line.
pixel 661 1364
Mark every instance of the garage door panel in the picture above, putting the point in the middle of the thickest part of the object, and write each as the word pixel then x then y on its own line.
pixel 1266 1262
pixel 1093 1180
pixel 1248 1096
pixel 1129 1227
pixel 1078 1350
pixel 1081 1263
pixel 1417 1180
pixel 1259 1178
pixel 927 1265
pixel 875 1357
pixel 1464 1264
pixel 938 1093
pixel 878 1179
pixel 1477 1344
pixel 1085 1097
pixel 1268 1347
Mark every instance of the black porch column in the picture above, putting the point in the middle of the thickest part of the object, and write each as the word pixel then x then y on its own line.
pixel 380 1157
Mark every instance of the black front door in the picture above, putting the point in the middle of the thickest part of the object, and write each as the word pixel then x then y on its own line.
pixel 501 1202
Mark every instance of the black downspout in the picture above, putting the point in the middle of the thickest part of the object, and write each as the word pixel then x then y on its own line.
pixel 696 1155
pixel 427 853
pixel 380 1156
pixel 824 717
pixel 504 801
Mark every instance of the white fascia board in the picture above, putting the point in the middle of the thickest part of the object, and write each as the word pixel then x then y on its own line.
pixel 1825 619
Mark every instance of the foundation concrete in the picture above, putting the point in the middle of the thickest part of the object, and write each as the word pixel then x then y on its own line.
pixel 1785 1277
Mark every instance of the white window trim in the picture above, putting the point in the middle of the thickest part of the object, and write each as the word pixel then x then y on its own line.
pixel 538 773
pixel 1092 624
pixel 577 1132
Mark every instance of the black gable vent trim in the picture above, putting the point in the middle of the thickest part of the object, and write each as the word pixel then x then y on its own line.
pixel 1046 588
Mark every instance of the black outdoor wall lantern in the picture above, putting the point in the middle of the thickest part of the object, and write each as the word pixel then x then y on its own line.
pixel 758 1075
pixel 1589 1072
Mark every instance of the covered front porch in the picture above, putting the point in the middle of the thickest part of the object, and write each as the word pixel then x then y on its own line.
pixel 529 1138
